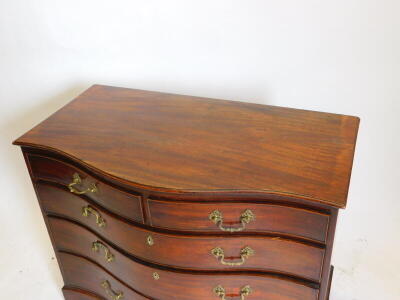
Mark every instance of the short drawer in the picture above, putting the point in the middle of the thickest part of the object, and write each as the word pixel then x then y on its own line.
pixel 239 217
pixel 264 253
pixel 115 200
pixel 168 285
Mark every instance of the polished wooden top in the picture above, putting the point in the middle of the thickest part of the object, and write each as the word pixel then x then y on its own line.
pixel 180 143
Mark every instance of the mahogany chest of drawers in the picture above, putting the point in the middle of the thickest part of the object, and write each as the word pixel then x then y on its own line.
pixel 158 196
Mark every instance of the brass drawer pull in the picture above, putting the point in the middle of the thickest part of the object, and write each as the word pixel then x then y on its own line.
pixel 86 210
pixel 245 253
pixel 244 292
pixel 114 295
pixel 76 179
pixel 96 246
pixel 245 218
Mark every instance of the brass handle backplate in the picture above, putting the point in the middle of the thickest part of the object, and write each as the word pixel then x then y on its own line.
pixel 86 210
pixel 114 295
pixel 76 180
pixel 97 245
pixel 221 293
pixel 245 218
pixel 245 253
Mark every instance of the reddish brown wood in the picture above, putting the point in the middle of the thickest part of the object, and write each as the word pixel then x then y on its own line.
pixel 275 217
pixel 70 237
pixel 115 200
pixel 327 268
pixel 162 163
pixel 179 143
pixel 215 196
pixel 80 273
pixel 181 216
pixel 174 285
pixel 183 251
pixel 330 282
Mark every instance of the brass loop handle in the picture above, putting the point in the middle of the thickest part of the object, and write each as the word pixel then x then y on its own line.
pixel 244 292
pixel 86 210
pixel 114 295
pixel 97 245
pixel 245 218
pixel 76 179
pixel 245 253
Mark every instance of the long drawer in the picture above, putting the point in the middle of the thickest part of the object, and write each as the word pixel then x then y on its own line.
pixel 189 251
pixel 167 285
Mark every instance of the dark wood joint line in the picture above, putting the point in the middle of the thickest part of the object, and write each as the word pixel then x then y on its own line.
pixel 145 208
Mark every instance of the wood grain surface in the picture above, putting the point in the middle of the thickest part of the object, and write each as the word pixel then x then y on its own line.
pixel 269 218
pixel 115 200
pixel 189 252
pixel 179 143
pixel 172 285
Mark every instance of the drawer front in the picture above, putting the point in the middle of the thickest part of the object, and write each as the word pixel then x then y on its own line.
pixel 80 273
pixel 167 285
pixel 221 217
pixel 115 200
pixel 187 251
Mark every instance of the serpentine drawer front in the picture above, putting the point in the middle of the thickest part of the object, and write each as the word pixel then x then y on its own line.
pixel 190 252
pixel 168 285
pixel 52 170
pixel 158 196
pixel 231 217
